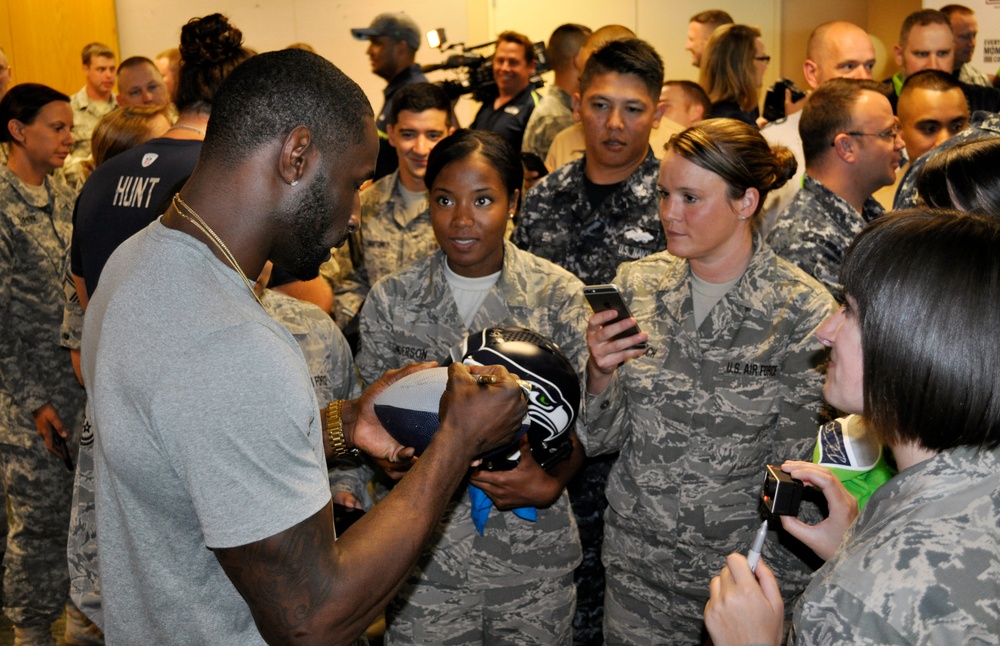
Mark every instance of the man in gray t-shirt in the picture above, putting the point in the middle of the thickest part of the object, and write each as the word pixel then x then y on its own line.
pixel 213 505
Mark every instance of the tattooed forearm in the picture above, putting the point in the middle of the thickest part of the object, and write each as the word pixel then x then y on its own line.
pixel 282 579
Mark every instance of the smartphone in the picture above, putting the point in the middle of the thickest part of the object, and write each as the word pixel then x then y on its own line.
pixel 60 443
pixel 608 297
pixel 531 161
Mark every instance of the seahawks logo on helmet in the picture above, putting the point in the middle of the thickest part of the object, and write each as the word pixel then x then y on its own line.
pixel 555 389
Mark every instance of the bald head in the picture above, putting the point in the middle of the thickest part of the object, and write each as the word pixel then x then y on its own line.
pixel 838 49
pixel 600 38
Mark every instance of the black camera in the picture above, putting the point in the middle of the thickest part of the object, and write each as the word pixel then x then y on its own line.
pixel 774 100
pixel 472 72
pixel 781 493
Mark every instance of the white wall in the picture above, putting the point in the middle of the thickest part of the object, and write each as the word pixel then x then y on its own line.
pixel 147 27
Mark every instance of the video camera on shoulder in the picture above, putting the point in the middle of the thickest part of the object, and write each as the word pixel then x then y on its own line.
pixel 781 493
pixel 472 72
pixel 774 100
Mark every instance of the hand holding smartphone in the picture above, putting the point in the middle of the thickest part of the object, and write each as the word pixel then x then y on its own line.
pixel 60 443
pixel 609 297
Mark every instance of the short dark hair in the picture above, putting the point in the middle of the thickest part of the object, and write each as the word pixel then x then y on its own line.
pixel 738 153
pixel 952 9
pixel 630 56
pixel 828 111
pixel 930 80
pixel 301 88
pixel 925 285
pixel 417 97
pixel 463 143
pixel 694 93
pixel 91 50
pixel 210 48
pixel 23 102
pixel 714 17
pixel 135 61
pixel 520 39
pixel 564 43
pixel 922 18
pixel 964 178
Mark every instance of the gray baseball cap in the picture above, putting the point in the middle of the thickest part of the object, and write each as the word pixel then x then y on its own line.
pixel 395 25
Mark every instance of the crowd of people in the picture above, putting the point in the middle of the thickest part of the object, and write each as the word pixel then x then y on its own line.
pixel 204 292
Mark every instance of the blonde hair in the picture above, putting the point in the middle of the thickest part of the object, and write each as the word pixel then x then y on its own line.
pixel 727 68
pixel 122 129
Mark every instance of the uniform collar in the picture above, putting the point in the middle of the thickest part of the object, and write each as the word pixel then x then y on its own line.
pixel 29 196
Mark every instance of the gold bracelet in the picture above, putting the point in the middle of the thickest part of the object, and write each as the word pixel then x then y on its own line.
pixel 335 429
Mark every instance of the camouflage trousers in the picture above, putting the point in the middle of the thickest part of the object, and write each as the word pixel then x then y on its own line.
pixel 639 612
pixel 586 493
pixel 39 489
pixel 537 612
pixel 85 588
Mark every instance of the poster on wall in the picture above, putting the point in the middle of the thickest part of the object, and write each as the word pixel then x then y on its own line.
pixel 987 54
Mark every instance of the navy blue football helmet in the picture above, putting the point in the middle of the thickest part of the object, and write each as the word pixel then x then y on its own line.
pixel 555 389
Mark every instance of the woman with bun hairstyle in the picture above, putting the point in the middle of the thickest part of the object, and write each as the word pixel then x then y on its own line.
pixel 109 214
pixel 508 579
pixel 39 393
pixel 729 383
pixel 732 72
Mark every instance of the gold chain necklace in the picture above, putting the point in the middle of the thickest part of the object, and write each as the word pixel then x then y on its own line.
pixel 195 219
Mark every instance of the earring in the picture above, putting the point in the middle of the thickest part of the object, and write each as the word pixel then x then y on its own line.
pixel 295 182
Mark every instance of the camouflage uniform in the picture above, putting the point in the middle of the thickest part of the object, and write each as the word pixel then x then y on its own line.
pixel 696 419
pixel 969 74
pixel 559 223
pixel 34 370
pixel 86 113
pixel 515 582
pixel 333 377
pixel 385 243
pixel 919 566
pixel 983 125
pixel 816 229
pixel 331 367
pixel 552 115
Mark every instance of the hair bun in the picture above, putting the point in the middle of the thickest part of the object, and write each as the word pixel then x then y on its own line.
pixel 785 166
pixel 210 40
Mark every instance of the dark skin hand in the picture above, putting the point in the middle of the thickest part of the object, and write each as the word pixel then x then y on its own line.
pixel 302 587
pixel 527 484
pixel 48 423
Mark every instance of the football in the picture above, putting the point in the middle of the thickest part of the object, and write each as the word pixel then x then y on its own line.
pixel 408 408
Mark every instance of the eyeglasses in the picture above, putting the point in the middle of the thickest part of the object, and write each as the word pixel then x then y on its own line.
pixel 888 134
pixel 762 59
